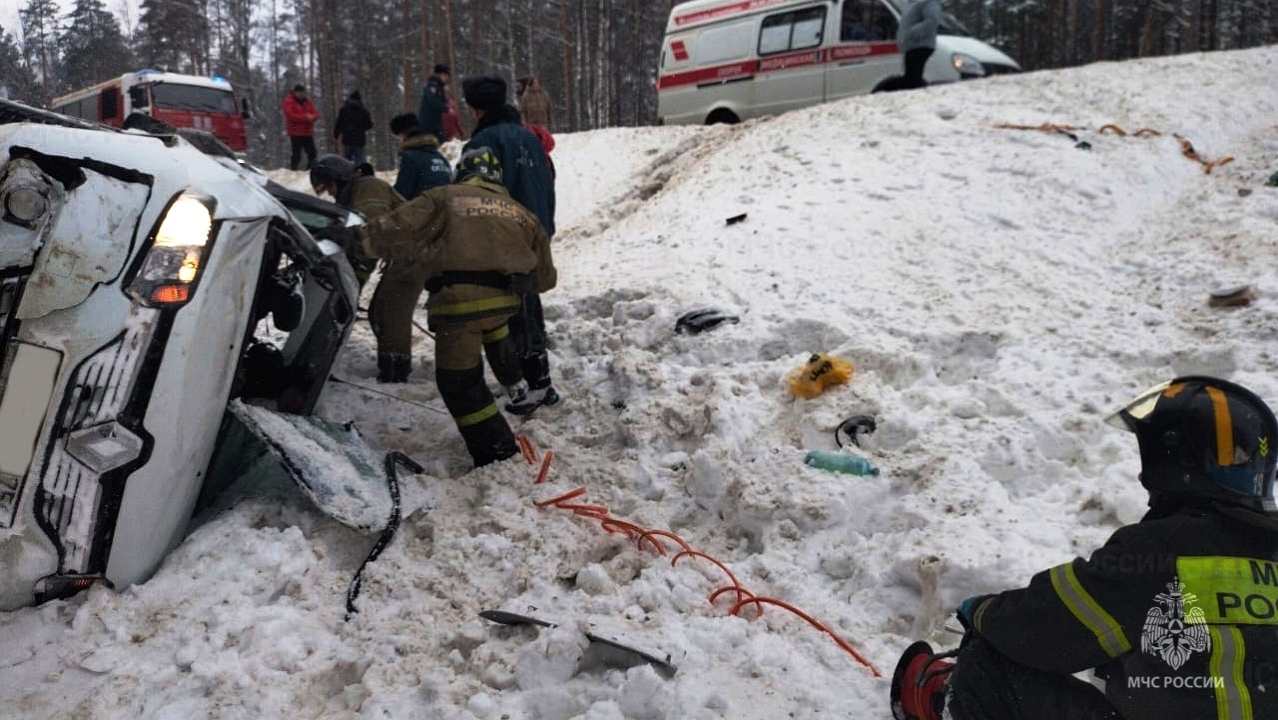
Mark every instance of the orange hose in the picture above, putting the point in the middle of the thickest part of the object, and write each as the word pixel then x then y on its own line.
pixel 743 596
pixel 562 498
pixel 545 467
pixel 758 602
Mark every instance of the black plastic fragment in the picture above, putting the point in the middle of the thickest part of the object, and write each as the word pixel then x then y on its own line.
pixel 853 428
pixel 602 651
pixel 699 321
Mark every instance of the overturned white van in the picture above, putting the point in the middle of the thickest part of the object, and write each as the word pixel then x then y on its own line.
pixel 137 274
pixel 731 60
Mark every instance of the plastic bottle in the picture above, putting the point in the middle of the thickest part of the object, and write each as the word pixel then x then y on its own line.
pixel 843 462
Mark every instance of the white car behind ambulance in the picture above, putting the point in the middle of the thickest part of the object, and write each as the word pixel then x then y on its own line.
pixel 731 60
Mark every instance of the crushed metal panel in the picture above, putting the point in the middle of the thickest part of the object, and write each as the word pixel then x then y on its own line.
pixel 88 245
pixel 330 462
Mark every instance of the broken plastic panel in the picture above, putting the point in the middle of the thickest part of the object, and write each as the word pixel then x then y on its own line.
pixel 602 652
pixel 331 463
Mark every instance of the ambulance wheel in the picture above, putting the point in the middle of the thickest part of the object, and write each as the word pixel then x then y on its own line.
pixel 722 116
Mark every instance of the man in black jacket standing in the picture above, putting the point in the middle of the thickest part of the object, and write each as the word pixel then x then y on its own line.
pixel 430 113
pixel 351 129
pixel 527 175
pixel 1177 613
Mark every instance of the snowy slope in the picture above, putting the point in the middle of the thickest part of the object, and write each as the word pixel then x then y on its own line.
pixel 998 291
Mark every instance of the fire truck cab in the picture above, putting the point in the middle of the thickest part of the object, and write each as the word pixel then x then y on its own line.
pixel 182 101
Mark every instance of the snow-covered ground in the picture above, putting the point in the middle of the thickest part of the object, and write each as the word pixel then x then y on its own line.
pixel 998 291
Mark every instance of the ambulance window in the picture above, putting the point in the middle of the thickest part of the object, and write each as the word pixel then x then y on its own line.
pixel 867 21
pixel 792 31
pixel 725 43
pixel 775 37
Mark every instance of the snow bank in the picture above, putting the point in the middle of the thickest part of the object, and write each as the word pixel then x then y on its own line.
pixel 997 290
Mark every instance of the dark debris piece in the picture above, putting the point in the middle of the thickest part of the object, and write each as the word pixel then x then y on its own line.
pixel 699 321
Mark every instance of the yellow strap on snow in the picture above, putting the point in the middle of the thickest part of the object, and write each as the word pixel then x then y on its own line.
pixel 1232 590
pixel 1228 653
pixel 1089 612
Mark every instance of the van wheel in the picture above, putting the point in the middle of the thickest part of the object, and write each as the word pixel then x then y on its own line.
pixel 722 116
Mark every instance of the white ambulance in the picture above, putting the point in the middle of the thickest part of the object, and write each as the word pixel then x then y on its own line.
pixel 730 60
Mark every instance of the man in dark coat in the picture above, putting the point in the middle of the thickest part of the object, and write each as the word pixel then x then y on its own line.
pixel 1177 613
pixel 351 129
pixel 421 165
pixel 430 112
pixel 527 175
pixel 299 122
pixel 916 39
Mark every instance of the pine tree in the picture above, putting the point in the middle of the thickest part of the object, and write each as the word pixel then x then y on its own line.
pixel 175 35
pixel 93 48
pixel 40 29
pixel 16 79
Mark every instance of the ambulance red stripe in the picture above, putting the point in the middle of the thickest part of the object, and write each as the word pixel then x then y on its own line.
pixel 841 53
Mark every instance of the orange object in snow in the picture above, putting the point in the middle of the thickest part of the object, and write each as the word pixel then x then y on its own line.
pixel 821 372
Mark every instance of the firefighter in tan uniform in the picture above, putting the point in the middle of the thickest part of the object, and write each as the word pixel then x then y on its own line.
pixel 391 310
pixel 480 252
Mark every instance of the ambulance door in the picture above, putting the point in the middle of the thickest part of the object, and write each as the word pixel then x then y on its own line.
pixel 864 53
pixel 790 72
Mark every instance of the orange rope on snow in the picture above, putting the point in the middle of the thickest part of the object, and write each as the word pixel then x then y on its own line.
pixel 1186 147
pixel 640 535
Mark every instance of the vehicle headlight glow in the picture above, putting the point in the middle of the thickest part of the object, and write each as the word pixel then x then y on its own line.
pixel 178 252
pixel 967 66
pixel 186 224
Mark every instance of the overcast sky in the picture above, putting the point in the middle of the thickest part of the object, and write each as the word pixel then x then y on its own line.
pixel 9 11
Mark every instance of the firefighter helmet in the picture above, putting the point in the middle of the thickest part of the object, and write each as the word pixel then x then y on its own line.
pixel 481 163
pixel 1205 437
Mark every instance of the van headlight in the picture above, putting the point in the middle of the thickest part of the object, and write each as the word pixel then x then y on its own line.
pixel 169 274
pixel 967 66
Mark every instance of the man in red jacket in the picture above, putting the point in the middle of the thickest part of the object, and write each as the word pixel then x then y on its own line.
pixel 299 122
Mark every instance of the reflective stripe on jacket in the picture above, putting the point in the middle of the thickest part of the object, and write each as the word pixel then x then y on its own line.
pixel 1179 613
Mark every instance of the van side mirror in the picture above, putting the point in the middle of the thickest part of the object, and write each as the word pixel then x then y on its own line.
pixel 138 98
pixel 245 112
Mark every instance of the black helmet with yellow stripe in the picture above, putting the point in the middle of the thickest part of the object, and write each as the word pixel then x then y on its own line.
pixel 479 163
pixel 1206 438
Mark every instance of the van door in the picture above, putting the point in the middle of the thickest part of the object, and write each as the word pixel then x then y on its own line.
pixel 865 53
pixel 790 71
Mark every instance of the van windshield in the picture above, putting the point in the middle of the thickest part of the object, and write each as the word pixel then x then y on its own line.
pixel 193 97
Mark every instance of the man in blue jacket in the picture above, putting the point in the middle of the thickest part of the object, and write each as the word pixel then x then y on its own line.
pixel 528 178
pixel 430 112
pixel 421 165
pixel 1177 613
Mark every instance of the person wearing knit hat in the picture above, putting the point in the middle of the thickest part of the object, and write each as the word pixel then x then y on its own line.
pixel 528 177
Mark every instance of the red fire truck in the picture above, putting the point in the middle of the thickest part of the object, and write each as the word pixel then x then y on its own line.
pixel 183 101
